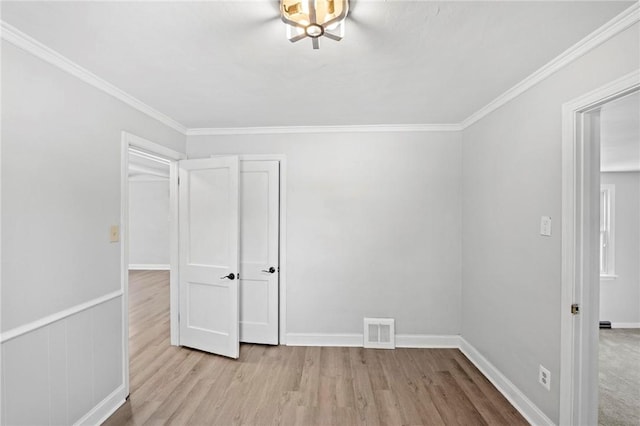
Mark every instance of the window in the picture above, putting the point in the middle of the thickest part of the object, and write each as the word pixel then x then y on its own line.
pixel 607 234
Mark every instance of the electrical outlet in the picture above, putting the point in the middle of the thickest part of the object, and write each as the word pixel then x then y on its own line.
pixel 544 377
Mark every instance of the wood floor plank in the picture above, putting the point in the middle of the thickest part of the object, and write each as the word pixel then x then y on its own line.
pixel 281 385
pixel 491 394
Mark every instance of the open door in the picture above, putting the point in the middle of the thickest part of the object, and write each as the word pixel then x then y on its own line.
pixel 209 314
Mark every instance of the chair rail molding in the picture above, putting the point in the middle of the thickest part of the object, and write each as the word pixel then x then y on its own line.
pixel 50 319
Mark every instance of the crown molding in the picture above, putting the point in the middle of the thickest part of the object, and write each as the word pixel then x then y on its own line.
pixel 372 128
pixel 29 44
pixel 610 29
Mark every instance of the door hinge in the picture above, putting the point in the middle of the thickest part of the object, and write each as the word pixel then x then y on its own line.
pixel 575 309
pixel 178 181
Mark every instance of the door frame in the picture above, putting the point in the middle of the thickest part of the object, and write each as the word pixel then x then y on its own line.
pixel 282 243
pixel 129 140
pixel 579 333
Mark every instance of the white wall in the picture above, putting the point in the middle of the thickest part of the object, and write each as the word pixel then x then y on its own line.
pixel 149 223
pixel 373 227
pixel 620 297
pixel 60 194
pixel 512 164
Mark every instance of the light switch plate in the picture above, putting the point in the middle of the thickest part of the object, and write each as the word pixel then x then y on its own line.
pixel 545 226
pixel 114 234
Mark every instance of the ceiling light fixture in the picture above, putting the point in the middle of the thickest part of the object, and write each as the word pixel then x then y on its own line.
pixel 314 19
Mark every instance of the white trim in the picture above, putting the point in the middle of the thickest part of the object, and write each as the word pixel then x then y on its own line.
pixel 29 44
pixel 370 128
pixel 149 267
pixel 615 26
pixel 431 341
pixel 282 274
pixel 43 322
pixel 124 254
pixel 133 178
pixel 329 340
pixel 620 170
pixel 3 394
pixel 524 405
pixel 152 147
pixel 610 190
pixel 105 408
pixel 578 349
pixel 625 325
pixel 283 250
pixel 174 254
pixel 357 340
pixel 608 277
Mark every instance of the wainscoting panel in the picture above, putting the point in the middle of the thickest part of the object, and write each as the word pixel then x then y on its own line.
pixel 26 393
pixel 80 354
pixel 107 349
pixel 77 356
pixel 58 373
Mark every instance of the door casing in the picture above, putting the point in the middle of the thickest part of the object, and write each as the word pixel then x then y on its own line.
pixel 579 333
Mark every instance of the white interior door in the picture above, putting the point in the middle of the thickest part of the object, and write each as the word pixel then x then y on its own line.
pixel 259 216
pixel 209 255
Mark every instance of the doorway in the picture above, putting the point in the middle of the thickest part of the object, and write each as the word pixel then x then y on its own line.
pixel 581 250
pixel 149 250
pixel 619 343
pixel 254 326
pixel 148 162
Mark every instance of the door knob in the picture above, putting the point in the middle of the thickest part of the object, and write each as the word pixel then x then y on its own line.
pixel 231 276
pixel 271 270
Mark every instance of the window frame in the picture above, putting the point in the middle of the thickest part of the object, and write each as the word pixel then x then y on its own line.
pixel 608 247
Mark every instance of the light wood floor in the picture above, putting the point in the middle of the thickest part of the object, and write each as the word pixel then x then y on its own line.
pixel 294 385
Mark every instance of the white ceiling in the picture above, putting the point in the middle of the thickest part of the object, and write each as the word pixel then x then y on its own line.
pixel 620 134
pixel 228 64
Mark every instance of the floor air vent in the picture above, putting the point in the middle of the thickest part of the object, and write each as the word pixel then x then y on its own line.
pixel 379 333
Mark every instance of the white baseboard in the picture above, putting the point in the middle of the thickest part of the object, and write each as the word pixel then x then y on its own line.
pixel 149 267
pixel 319 339
pixel 514 395
pixel 427 341
pixel 104 409
pixel 357 340
pixel 625 325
